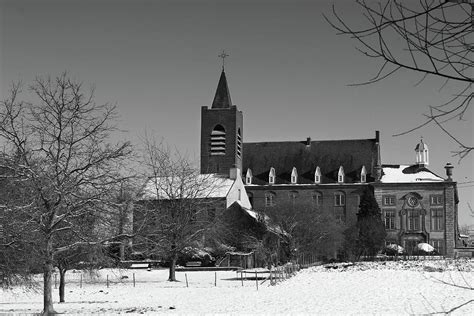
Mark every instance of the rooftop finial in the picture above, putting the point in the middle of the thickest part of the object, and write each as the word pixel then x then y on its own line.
pixel 223 55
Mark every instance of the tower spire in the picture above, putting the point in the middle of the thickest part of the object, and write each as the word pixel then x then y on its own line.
pixel 222 98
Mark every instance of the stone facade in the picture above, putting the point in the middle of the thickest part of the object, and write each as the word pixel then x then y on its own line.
pixel 315 196
pixel 419 212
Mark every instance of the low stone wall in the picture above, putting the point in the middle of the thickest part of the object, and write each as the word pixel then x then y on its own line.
pixel 465 252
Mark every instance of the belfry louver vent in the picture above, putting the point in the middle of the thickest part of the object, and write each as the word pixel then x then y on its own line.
pixel 239 144
pixel 218 141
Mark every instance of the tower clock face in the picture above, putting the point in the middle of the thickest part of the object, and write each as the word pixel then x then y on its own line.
pixel 412 201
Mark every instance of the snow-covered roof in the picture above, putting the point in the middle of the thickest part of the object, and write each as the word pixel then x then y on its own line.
pixel 406 173
pixel 191 186
pixel 255 215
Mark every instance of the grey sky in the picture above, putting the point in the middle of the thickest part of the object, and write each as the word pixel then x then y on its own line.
pixel 287 71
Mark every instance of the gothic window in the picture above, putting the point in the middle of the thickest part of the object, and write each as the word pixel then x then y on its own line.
pixel 271 176
pixel 363 175
pixel 340 175
pixel 389 219
pixel 339 199
pixel 437 219
pixel 218 141
pixel 294 176
pixel 317 175
pixel 248 177
pixel 270 199
pixel 239 143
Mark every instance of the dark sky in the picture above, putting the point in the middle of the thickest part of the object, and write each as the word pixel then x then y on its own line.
pixel 288 72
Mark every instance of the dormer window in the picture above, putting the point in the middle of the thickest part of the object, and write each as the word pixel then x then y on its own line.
pixel 248 177
pixel 271 176
pixel 317 175
pixel 294 176
pixel 363 175
pixel 340 175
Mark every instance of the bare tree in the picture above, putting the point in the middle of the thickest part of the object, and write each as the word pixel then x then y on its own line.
pixel 308 228
pixel 178 205
pixel 465 229
pixel 432 38
pixel 67 164
pixel 16 231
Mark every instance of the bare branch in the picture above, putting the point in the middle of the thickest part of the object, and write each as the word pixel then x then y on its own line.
pixel 436 44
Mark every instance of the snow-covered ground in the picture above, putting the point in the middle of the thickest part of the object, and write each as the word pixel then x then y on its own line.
pixel 362 288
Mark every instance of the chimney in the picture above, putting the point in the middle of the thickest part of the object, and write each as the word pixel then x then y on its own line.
pixel 233 173
pixel 378 162
pixel 449 171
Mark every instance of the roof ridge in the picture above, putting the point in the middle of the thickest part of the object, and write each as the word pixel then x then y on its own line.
pixel 312 141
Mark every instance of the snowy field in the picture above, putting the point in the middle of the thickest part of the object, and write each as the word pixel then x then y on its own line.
pixel 362 288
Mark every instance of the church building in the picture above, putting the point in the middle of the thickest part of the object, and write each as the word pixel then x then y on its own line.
pixel 417 205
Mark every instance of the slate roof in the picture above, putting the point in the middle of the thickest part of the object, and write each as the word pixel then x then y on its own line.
pixel 222 98
pixel 271 227
pixel 329 155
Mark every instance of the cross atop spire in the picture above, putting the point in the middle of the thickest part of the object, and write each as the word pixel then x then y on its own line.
pixel 223 55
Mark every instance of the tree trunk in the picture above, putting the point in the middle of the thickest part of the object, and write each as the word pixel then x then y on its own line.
pixel 172 274
pixel 122 251
pixel 62 284
pixel 48 308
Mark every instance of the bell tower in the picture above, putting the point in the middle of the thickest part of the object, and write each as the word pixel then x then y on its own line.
pixel 221 132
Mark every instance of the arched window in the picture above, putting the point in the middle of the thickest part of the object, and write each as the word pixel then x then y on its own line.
pixel 317 198
pixel 363 175
pixel 270 199
pixel 294 176
pixel 340 175
pixel 317 175
pixel 239 143
pixel 218 141
pixel 339 209
pixel 271 176
pixel 339 198
pixel 248 177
